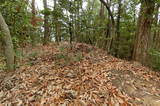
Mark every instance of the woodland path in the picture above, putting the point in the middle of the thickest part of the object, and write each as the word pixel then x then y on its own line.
pixel 97 79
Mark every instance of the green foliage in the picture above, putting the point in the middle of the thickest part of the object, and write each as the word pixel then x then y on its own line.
pixel 15 41
pixel 67 56
pixel 32 57
pixel 82 20
pixel 46 11
pixel 2 63
pixel 78 57
pixel 18 18
pixel 64 59
pixel 153 59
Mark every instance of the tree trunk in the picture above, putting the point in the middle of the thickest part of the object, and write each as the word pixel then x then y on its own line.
pixel 70 32
pixel 101 13
pixel 118 28
pixel 109 11
pixel 71 24
pixel 155 41
pixel 143 31
pixel 34 23
pixel 56 23
pixel 33 9
pixel 107 34
pixel 77 22
pixel 7 42
pixel 46 24
pixel 112 32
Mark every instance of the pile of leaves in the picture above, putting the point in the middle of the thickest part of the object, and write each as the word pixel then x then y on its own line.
pixel 96 79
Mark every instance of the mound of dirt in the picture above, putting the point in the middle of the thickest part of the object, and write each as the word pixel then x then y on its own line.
pixel 95 80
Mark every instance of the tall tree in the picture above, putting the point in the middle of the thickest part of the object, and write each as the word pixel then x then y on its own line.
pixel 118 27
pixel 7 42
pixel 46 23
pixel 112 32
pixel 108 28
pixel 55 21
pixel 33 11
pixel 143 30
pixel 156 36
pixel 77 22
pixel 109 10
pixel 71 22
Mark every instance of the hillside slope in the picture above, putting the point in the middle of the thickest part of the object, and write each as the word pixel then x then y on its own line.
pixel 83 76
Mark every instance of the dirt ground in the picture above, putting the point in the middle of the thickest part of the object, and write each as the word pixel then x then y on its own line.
pixel 83 76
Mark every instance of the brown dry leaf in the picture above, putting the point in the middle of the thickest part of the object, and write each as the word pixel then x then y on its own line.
pixel 88 82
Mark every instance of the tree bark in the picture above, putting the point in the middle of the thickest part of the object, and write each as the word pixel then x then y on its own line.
pixel 118 28
pixel 71 23
pixel 46 24
pixel 109 11
pixel 33 13
pixel 143 31
pixel 33 9
pixel 156 37
pixel 112 26
pixel 101 13
pixel 7 42
pixel 34 22
pixel 56 22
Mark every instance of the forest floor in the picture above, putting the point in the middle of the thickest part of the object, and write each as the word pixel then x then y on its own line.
pixel 55 75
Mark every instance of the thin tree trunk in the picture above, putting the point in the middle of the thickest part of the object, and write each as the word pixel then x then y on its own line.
pixel 70 32
pixel 71 25
pixel 46 24
pixel 101 42
pixel 112 32
pixel 155 40
pixel 143 31
pixel 108 33
pixel 80 20
pixel 33 9
pixel 118 28
pixel 7 42
pixel 77 25
pixel 101 13
pixel 109 10
pixel 59 32
pixel 56 22
pixel 33 21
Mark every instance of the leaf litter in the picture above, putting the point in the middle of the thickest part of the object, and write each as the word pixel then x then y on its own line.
pixel 97 79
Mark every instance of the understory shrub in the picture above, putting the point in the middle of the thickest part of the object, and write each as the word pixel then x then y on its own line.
pixel 153 59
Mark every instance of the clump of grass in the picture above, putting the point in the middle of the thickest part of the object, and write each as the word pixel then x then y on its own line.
pixel 32 57
pixel 2 63
pixel 67 56
pixel 26 58
pixel 64 48
pixel 78 56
